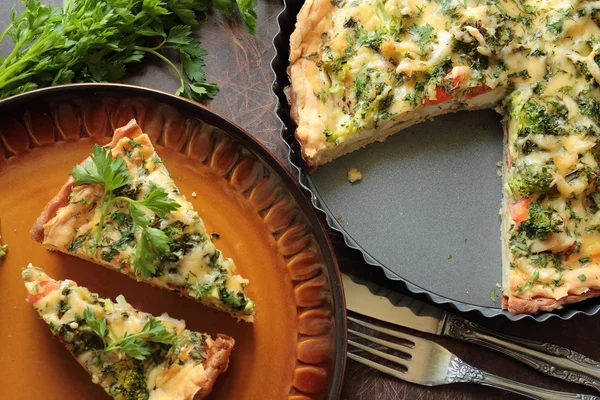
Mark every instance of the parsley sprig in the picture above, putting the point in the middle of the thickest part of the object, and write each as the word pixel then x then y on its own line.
pixel 93 40
pixel 3 248
pixel 135 345
pixel 112 174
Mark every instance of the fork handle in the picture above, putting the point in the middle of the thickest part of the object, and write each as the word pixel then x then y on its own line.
pixel 459 371
pixel 550 359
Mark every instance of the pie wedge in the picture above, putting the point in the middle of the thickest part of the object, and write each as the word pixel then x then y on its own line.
pixel 361 70
pixel 131 354
pixel 120 208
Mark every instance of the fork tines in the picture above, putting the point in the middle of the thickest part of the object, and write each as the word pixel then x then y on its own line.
pixel 404 348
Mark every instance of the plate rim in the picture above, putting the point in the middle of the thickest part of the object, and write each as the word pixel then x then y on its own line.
pixel 265 155
pixel 286 22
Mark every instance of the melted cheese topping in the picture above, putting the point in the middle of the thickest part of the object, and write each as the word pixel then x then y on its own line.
pixel 174 372
pixel 389 60
pixel 194 266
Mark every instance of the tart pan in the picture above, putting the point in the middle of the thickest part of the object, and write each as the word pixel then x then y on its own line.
pixel 427 209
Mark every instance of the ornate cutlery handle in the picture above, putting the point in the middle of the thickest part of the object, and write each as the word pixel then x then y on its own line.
pixel 459 371
pixel 553 360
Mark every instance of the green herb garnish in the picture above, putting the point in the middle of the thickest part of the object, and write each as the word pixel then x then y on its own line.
pixel 493 294
pixel 423 35
pixel 135 345
pixel 3 248
pixel 529 284
pixel 112 174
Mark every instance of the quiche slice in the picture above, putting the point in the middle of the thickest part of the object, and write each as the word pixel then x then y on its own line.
pixel 120 208
pixel 361 70
pixel 131 354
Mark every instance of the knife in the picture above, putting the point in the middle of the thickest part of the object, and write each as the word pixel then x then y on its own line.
pixel 374 301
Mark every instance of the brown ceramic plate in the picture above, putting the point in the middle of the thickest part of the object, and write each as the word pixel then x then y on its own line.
pixel 296 347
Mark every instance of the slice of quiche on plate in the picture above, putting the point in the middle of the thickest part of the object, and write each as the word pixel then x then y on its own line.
pixel 120 208
pixel 129 353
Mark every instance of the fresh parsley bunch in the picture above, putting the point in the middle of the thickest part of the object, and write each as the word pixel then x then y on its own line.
pixel 93 40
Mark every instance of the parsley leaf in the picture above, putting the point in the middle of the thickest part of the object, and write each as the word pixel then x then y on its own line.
pixel 101 170
pixel 111 173
pixel 137 345
pixel 137 349
pixel 158 202
pixel 153 244
pixel 98 325
pixel 248 12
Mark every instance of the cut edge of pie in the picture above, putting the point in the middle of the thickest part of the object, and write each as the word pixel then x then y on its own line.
pixel 61 200
pixel 312 22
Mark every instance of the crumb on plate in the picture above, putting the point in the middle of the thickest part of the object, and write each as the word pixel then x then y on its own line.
pixel 354 175
pixel 194 194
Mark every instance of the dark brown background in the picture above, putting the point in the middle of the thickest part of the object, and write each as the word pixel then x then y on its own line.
pixel 240 64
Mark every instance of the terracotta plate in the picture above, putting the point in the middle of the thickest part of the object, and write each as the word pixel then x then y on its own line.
pixel 296 347
pixel 428 202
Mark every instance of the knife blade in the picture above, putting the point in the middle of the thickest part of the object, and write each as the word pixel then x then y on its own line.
pixel 386 305
pixel 372 300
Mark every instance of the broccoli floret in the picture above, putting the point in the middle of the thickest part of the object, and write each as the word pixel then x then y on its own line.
pixel 520 245
pixel 528 179
pixel 130 381
pixel 538 119
pixel 541 222
pixel 589 107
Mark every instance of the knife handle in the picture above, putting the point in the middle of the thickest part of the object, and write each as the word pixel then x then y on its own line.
pixel 550 359
pixel 460 371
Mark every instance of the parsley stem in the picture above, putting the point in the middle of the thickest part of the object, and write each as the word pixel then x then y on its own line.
pixel 165 59
pixel 32 53
pixel 17 78
pixel 122 198
pixel 105 205
pixel 114 345
pixel 5 31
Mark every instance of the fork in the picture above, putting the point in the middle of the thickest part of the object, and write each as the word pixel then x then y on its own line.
pixel 430 364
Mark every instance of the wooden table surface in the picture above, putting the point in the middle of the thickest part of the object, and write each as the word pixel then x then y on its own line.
pixel 241 65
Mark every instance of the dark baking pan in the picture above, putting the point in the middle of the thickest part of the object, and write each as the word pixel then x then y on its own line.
pixel 426 210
